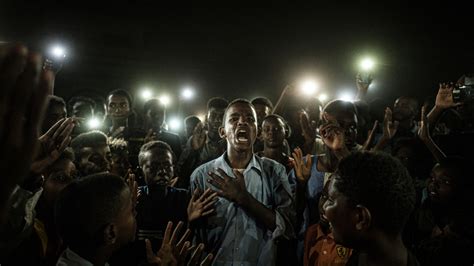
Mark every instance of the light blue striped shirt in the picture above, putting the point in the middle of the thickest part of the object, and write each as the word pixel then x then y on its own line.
pixel 234 237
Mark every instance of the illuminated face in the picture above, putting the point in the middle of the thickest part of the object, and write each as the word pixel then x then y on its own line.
pixel 273 132
pixel 82 110
pixel 158 167
pixel 118 106
pixel 441 186
pixel 262 112
pixel 348 122
pixel 240 128
pixel 214 121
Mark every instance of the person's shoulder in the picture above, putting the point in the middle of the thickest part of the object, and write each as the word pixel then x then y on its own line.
pixel 270 166
pixel 205 167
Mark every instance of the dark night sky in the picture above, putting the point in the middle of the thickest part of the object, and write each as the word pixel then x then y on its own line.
pixel 246 52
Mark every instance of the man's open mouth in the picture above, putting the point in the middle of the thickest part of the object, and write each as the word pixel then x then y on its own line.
pixel 242 136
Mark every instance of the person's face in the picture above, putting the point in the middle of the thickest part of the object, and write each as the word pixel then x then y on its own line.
pixel 95 160
pixel 273 132
pixel 322 200
pixel 240 127
pixel 403 109
pixel 118 107
pixel 119 163
pixel 214 120
pixel 63 172
pixel 126 224
pixel 441 185
pixel 338 211
pixel 348 122
pixel 158 167
pixel 189 128
pixel 55 113
pixel 262 111
pixel 82 110
pixel 155 116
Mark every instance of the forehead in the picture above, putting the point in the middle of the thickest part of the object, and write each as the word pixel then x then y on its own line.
pixel 158 155
pixel 240 109
pixel 273 121
pixel 117 99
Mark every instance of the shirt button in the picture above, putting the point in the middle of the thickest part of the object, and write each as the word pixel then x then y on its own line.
pixel 325 252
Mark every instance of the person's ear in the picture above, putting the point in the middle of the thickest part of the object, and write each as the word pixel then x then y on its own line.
pixel 110 234
pixel 222 132
pixel 363 218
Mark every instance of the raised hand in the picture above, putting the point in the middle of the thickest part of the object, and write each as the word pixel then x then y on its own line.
pixel 174 252
pixel 444 98
pixel 308 132
pixel 150 136
pixel 423 130
pixel 201 205
pixel 302 169
pixel 198 139
pixel 23 91
pixel 133 185
pixel 230 188
pixel 390 127
pixel 370 136
pixel 53 143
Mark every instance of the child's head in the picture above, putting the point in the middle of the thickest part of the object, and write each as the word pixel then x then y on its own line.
pixel 274 131
pixel 96 212
pixel 345 114
pixel 371 194
pixel 450 181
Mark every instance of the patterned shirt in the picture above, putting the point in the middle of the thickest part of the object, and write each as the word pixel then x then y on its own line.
pixel 234 237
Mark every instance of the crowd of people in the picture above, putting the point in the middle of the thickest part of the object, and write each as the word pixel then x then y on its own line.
pixel 297 182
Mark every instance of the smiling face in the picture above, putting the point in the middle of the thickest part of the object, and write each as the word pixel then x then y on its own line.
pixel 240 127
pixel 118 107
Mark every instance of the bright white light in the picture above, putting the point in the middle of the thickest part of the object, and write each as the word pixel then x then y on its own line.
pixel 93 123
pixel 58 52
pixel 201 116
pixel 146 94
pixel 322 97
pixel 187 93
pixel 165 100
pixel 367 64
pixel 175 124
pixel 309 87
pixel 346 96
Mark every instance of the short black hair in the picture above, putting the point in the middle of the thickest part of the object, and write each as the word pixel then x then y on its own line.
pixel 86 205
pixel 217 102
pixel 124 93
pixel 76 99
pixel 382 184
pixel 88 139
pixel 192 119
pixel 263 101
pixel 285 123
pixel 337 106
pixel 55 100
pixel 152 145
pixel 236 101
pixel 153 102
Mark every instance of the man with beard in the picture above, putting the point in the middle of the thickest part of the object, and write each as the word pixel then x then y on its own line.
pixel 254 209
pixel 91 152
pixel 205 144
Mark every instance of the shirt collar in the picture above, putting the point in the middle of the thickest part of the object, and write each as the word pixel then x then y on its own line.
pixel 255 163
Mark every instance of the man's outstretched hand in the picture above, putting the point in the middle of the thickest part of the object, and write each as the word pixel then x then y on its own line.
pixel 23 90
